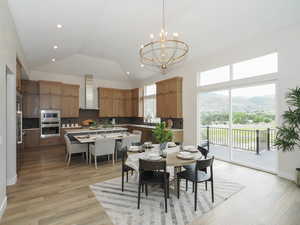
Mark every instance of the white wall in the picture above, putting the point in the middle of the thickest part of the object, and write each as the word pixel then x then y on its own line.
pixel 286 42
pixel 70 79
pixel 9 49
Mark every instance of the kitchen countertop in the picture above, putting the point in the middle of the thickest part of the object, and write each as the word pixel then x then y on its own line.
pixel 145 126
pixel 87 130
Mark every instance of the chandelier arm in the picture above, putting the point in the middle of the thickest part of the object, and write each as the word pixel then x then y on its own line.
pixel 173 55
pixel 155 57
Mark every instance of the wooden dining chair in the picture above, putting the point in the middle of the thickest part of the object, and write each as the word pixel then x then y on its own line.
pixel 125 169
pixel 198 176
pixel 153 172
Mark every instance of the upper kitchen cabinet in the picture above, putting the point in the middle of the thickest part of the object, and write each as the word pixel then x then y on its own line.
pixel 31 99
pixel 135 102
pixel 70 101
pixel 50 95
pixel 18 75
pixel 118 102
pixel 50 88
pixel 105 98
pixel 169 98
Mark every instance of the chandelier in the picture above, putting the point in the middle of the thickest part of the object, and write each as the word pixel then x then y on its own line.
pixel 165 50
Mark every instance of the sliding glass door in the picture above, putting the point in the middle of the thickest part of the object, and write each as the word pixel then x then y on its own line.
pixel 214 119
pixel 253 126
pixel 239 125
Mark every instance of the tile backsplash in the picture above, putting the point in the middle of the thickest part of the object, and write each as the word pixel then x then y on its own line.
pixel 93 115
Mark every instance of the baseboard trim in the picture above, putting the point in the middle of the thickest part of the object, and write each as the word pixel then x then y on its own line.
pixel 3 207
pixel 12 181
pixel 287 176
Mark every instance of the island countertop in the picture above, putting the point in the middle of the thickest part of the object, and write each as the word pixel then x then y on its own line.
pixel 87 130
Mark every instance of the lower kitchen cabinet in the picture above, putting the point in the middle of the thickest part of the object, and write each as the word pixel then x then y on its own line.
pixel 32 138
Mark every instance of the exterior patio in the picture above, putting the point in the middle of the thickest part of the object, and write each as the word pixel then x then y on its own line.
pixel 265 160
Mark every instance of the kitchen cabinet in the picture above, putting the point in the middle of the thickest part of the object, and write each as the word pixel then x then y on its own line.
pixel 105 98
pixel 50 88
pixel 31 138
pixel 118 102
pixel 147 134
pixel 31 99
pixel 169 98
pixel 50 95
pixel 30 106
pixel 135 102
pixel 18 76
pixel 70 101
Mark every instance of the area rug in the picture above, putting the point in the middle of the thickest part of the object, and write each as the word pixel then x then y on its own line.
pixel 122 206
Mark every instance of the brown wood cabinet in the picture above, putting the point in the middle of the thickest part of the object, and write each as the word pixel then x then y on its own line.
pixel 70 101
pixel 32 138
pixel 169 98
pixel 18 75
pixel 31 99
pixel 135 102
pixel 50 95
pixel 118 102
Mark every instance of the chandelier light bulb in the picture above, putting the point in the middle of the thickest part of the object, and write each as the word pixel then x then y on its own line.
pixel 142 65
pixel 152 36
pixel 175 34
pixel 142 46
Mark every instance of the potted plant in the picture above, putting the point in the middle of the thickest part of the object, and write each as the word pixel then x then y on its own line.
pixel 162 135
pixel 288 134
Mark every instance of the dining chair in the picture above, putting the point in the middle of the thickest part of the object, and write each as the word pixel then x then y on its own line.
pixel 73 149
pixel 125 168
pixel 139 133
pixel 198 176
pixel 103 146
pixel 204 152
pixel 153 172
pixel 128 140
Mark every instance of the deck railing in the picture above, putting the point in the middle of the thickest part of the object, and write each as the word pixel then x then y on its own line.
pixel 254 140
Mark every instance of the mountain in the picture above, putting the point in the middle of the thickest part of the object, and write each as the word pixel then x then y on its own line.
pixel 213 102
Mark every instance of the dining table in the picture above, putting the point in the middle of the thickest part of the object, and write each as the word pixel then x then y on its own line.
pixel 91 138
pixel 173 161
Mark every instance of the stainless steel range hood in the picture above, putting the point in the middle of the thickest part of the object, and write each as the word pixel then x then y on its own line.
pixel 91 93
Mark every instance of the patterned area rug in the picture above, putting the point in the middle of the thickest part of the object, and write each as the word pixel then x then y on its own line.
pixel 122 206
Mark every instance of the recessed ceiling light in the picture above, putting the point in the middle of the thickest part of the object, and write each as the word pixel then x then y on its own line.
pixel 53 60
pixel 59 26
pixel 55 47
pixel 142 65
pixel 127 73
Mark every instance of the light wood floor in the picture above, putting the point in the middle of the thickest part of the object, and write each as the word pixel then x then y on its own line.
pixel 48 193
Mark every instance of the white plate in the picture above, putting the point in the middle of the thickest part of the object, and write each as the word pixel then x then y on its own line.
pixel 185 155
pixel 134 148
pixel 171 144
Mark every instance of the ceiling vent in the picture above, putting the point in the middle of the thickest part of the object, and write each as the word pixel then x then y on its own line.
pixel 90 93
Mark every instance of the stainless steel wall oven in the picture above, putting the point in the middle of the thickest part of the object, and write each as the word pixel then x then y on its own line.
pixel 50 123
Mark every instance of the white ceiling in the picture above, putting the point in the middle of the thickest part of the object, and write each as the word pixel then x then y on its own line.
pixel 102 37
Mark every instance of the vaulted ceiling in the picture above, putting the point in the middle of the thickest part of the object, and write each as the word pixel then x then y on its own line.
pixel 102 37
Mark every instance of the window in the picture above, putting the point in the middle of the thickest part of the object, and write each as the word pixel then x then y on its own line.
pixel 214 76
pixel 257 66
pixel 262 65
pixel 150 104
